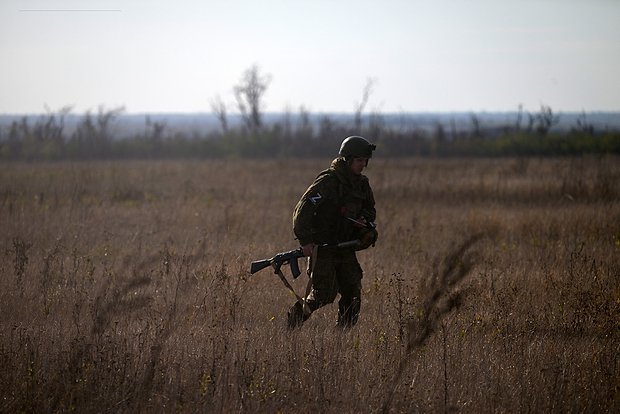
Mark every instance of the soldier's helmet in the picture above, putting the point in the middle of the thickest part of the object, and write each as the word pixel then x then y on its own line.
pixel 356 147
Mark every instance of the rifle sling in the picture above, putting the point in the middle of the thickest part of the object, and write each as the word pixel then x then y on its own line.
pixel 301 300
pixel 311 264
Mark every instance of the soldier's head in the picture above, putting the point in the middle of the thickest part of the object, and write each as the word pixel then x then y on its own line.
pixel 356 151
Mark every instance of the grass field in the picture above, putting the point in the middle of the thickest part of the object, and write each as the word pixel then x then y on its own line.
pixel 124 287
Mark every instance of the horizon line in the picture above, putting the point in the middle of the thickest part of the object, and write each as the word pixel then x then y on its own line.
pixel 342 113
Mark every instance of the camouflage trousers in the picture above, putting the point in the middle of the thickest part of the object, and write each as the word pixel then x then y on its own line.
pixel 335 272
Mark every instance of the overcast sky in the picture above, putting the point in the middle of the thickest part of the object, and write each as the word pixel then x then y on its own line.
pixel 175 56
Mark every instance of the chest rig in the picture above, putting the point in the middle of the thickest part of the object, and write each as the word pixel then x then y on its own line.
pixel 346 201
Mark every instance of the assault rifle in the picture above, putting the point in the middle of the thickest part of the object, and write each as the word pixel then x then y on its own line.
pixel 291 257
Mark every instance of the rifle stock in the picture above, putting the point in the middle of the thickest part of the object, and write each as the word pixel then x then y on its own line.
pixel 259 265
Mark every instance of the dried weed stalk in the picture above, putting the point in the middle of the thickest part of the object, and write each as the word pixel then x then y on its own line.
pixel 441 298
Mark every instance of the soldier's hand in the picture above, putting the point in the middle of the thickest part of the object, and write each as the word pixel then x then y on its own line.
pixel 360 222
pixel 307 249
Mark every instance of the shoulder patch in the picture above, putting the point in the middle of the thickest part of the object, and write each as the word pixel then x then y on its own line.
pixel 314 199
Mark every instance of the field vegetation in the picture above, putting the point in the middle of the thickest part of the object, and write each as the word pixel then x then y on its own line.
pixel 494 287
pixel 98 136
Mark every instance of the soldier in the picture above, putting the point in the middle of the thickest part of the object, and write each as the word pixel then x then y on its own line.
pixel 339 206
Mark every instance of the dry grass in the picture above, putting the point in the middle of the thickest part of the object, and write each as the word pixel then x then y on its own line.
pixel 124 287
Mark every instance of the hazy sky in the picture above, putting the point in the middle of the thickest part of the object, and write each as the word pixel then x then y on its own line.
pixel 175 56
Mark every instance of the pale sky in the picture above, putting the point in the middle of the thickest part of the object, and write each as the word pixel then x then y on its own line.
pixel 176 56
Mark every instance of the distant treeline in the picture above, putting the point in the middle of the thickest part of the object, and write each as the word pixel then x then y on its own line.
pixel 46 138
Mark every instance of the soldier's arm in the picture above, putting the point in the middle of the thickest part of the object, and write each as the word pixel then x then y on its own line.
pixel 306 209
pixel 368 209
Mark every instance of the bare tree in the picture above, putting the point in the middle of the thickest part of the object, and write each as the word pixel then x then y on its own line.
pixel 519 118
pixel 249 94
pixel 359 108
pixel 531 118
pixel 105 121
pixel 154 130
pixel 304 129
pixel 51 126
pixel 546 120
pixel 93 135
pixel 219 109
pixel 476 127
pixel 287 123
pixel 583 125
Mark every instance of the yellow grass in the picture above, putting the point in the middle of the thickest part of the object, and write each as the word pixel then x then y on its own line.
pixel 124 287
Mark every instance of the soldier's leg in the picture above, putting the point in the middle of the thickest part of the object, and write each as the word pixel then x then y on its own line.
pixel 350 282
pixel 324 290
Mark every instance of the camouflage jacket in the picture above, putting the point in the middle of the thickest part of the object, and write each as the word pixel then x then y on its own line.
pixel 321 214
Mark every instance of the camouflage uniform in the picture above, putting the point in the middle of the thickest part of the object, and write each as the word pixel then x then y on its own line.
pixel 320 218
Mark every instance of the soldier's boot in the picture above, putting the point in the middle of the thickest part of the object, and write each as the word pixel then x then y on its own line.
pixel 348 312
pixel 296 316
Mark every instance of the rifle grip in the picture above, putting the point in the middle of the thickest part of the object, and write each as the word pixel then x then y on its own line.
pixel 295 268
